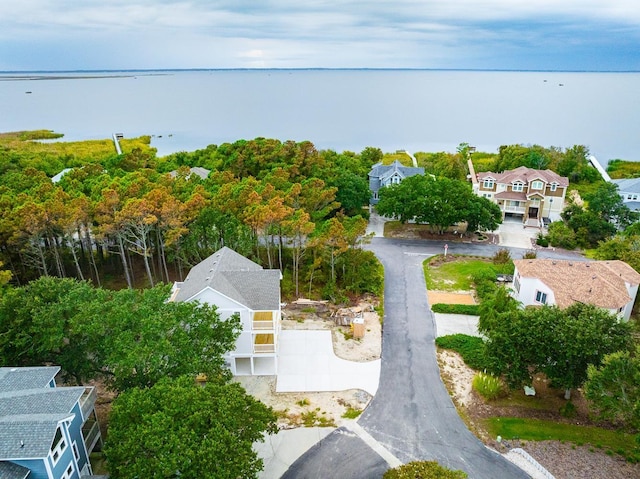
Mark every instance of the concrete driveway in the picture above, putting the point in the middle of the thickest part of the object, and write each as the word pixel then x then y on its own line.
pixel 512 234
pixel 307 363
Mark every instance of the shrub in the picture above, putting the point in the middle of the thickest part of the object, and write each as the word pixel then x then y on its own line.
pixel 561 235
pixel 488 386
pixel 530 254
pixel 568 410
pixel 542 240
pixel 471 309
pixel 502 256
pixel 471 348
pixel 423 470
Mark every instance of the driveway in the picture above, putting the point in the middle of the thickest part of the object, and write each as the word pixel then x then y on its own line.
pixel 513 234
pixel 306 362
pixel 412 416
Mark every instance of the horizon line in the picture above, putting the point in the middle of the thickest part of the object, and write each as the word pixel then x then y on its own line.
pixel 131 70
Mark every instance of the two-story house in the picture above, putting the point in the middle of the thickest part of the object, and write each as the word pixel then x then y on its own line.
pixel 46 432
pixel 524 192
pixel 237 285
pixel 611 285
pixel 385 175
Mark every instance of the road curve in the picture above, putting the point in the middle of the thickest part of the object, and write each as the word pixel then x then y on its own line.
pixel 412 415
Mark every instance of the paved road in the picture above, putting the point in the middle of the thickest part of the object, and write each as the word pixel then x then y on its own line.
pixel 412 415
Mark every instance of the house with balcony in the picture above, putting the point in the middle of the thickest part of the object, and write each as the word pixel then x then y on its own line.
pixel 238 286
pixel 610 285
pixel 385 175
pixel 46 432
pixel 525 193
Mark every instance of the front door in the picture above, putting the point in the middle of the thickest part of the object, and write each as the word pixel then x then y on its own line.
pixel 533 212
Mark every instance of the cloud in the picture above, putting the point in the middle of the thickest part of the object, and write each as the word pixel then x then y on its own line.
pixel 377 33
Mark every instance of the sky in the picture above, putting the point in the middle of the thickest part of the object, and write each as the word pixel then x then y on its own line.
pixel 564 35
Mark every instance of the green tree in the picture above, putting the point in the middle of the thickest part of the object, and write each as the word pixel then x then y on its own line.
pixel 423 470
pixel 608 205
pixel 614 388
pixel 178 428
pixel 140 337
pixel 560 343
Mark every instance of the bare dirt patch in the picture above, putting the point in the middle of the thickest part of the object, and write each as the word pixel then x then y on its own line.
pixel 448 297
pixel 321 408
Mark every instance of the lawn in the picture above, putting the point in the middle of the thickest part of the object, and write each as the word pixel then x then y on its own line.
pixel 541 430
pixel 457 272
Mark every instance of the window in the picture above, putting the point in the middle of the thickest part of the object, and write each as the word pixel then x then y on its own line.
pixel 68 473
pixel 488 183
pixel 518 187
pixel 554 186
pixel 516 283
pixel 76 453
pixel 487 195
pixel 541 297
pixel 536 185
pixel 628 196
pixel 635 197
pixel 57 446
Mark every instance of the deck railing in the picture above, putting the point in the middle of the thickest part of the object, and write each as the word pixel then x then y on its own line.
pixel 87 401
pixel 264 348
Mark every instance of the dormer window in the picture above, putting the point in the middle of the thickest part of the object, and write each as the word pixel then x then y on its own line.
pixel 488 183
pixel 536 185
pixel 554 186
pixel 518 186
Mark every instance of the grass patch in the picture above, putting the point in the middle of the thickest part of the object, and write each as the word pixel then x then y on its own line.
pixel 457 272
pixel 541 430
pixel 471 348
pixel 471 309
pixel 351 413
pixel 313 419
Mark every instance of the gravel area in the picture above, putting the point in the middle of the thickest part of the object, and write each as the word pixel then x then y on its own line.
pixel 566 461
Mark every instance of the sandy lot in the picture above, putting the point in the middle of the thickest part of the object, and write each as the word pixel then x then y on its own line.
pixel 324 408
pixel 448 297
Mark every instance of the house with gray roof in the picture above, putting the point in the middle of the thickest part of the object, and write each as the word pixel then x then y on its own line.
pixel 385 175
pixel 46 432
pixel 629 190
pixel 238 286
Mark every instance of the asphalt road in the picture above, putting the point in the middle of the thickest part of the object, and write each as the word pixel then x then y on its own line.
pixel 412 414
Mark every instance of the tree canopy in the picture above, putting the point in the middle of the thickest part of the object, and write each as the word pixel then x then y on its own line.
pixel 438 202
pixel 561 343
pixel 178 428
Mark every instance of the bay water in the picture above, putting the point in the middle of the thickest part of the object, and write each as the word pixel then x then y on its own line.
pixel 416 110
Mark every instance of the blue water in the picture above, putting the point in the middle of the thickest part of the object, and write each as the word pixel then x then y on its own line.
pixel 416 110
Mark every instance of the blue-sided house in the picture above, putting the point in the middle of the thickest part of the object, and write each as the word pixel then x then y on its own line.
pixel 46 432
pixel 385 175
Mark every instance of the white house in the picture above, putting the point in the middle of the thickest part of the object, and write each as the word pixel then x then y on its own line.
pixel 237 285
pixel 611 285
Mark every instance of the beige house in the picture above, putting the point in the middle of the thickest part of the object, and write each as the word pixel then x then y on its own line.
pixel 237 285
pixel 524 192
pixel 610 285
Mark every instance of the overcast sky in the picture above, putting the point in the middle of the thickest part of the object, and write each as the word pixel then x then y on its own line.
pixel 474 34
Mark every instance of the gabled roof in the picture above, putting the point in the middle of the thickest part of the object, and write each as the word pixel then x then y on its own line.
pixel 525 175
pixel 601 283
pixel 387 171
pixel 628 185
pixel 40 401
pixel 196 170
pixel 15 379
pixel 28 436
pixel 236 277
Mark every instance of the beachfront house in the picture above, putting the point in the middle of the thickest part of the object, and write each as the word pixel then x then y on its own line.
pixel 610 285
pixel 532 195
pixel 46 432
pixel 237 285
pixel 385 175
